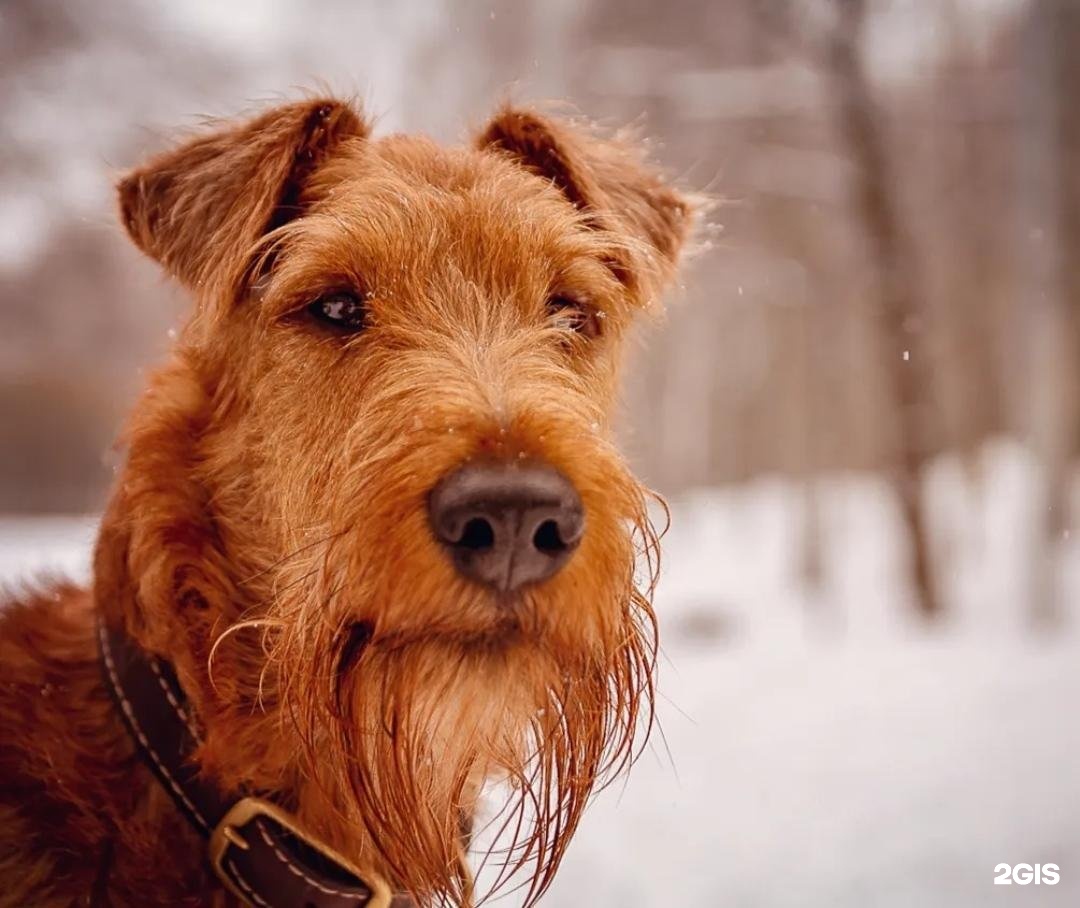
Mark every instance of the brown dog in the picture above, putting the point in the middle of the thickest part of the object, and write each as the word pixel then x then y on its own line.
pixel 371 516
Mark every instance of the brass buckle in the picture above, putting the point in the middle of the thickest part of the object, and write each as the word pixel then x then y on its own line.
pixel 246 810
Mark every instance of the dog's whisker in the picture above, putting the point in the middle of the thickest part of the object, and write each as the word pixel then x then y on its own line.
pixel 284 559
pixel 229 631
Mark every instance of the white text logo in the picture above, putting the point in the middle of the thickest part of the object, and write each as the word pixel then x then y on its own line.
pixel 1022 874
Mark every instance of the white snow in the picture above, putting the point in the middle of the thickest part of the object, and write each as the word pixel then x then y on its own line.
pixel 824 749
pixel 44 547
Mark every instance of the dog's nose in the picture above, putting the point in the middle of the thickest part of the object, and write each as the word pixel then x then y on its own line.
pixel 507 525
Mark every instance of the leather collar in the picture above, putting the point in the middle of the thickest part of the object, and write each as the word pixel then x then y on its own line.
pixel 258 851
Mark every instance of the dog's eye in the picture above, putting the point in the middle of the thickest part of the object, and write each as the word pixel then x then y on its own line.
pixel 342 311
pixel 573 315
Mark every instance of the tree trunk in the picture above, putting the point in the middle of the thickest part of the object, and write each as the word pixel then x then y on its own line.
pixel 1049 143
pixel 878 209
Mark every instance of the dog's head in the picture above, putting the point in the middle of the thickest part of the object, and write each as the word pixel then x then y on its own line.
pixel 379 476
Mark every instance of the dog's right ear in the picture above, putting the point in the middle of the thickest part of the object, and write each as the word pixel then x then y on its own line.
pixel 199 209
pixel 607 178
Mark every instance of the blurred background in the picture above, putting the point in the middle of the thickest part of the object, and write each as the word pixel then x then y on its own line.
pixel 863 405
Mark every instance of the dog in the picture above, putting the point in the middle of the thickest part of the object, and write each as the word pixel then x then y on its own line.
pixel 372 545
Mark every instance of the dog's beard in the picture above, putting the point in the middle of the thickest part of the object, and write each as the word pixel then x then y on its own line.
pixel 401 729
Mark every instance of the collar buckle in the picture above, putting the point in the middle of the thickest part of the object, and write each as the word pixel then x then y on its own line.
pixel 237 834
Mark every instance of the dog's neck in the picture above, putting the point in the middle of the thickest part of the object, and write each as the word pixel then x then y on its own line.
pixel 247 746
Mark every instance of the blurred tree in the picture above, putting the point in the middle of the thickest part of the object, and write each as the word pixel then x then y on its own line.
pixel 894 281
pixel 1050 218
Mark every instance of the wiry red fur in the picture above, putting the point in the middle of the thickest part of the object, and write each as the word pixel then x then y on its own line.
pixel 268 533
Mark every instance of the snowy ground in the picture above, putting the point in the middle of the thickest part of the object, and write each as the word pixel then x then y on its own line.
pixel 822 750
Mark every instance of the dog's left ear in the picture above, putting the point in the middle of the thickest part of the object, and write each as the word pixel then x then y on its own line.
pixel 199 209
pixel 607 179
